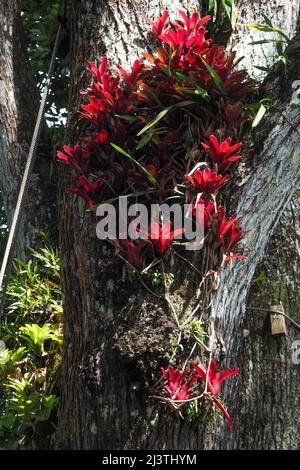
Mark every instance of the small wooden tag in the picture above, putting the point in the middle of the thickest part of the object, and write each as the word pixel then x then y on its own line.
pixel 278 325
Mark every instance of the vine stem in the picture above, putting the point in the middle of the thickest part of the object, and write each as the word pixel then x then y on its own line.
pixel 198 305
pixel 190 355
pixel 174 402
pixel 187 261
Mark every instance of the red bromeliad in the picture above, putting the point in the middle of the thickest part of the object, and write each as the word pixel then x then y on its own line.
pixel 160 24
pixel 213 380
pixel 206 181
pixel 228 234
pixel 187 34
pixel 134 252
pixel 208 214
pixel 221 153
pixel 162 236
pixel 213 377
pixel 175 387
pixel 102 137
pixel 90 192
pixel 77 158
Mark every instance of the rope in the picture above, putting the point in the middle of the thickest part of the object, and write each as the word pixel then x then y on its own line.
pixel 15 225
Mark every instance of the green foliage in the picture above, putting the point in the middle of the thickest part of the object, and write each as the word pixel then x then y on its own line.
pixel 35 336
pixel 260 278
pixel 9 358
pixel 162 114
pixel 149 175
pixel 33 289
pixel 260 108
pixel 224 14
pixel 215 77
pixel 30 343
pixel 193 412
pixel 41 36
pixel 156 277
pixel 200 413
pixel 260 114
pixel 280 40
pixel 197 330
pixel 49 259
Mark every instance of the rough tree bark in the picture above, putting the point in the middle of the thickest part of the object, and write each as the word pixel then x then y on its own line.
pixel 19 102
pixel 114 329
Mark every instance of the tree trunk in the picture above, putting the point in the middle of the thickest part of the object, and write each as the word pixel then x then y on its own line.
pixel 19 102
pixel 115 330
pixel 269 395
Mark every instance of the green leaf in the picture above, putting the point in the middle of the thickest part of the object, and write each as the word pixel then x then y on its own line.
pixel 263 69
pixel 283 58
pixel 198 91
pixel 183 104
pixel 268 29
pixel 154 121
pixel 260 114
pixel 231 10
pixel 162 114
pixel 263 41
pixel 215 77
pixel 233 15
pixel 211 4
pixel 144 140
pixel 267 20
pixel 201 92
pixel 149 175
pixel 120 150
pixel 18 355
pixel 255 106
pixel 180 76
pixel 166 70
pixel 126 118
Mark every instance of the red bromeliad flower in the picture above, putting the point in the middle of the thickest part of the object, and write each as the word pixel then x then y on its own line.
pixel 236 81
pixel 228 233
pixel 160 25
pixel 194 23
pixel 175 388
pixel 105 92
pixel 162 236
pixel 209 212
pixel 221 153
pixel 76 158
pixel 131 79
pixel 90 192
pixel 213 379
pixel 102 137
pixel 185 37
pixel 106 83
pixel 133 252
pixel 94 108
pixel 206 181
